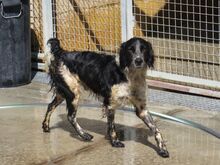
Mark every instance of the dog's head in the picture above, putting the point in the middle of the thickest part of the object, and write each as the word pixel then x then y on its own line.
pixel 53 45
pixel 136 53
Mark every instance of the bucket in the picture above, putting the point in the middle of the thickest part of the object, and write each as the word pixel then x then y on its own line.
pixel 15 46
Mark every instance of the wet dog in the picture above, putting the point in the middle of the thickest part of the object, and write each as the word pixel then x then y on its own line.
pixel 115 85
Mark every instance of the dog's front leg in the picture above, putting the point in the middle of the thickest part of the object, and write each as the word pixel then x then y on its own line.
pixel 148 120
pixel 111 129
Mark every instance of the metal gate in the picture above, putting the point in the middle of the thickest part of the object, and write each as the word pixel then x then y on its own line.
pixel 184 34
pixel 185 37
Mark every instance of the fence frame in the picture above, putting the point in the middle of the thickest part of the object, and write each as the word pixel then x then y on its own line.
pixel 47 13
pixel 127 20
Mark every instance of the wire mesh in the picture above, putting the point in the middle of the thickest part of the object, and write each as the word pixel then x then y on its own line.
pixel 36 26
pixel 88 25
pixel 184 33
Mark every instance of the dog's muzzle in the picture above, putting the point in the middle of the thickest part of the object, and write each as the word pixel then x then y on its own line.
pixel 138 62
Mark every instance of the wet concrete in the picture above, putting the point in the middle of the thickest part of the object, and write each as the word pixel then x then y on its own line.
pixel 22 140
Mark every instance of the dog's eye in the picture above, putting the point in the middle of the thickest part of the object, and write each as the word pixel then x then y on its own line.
pixel 131 49
pixel 142 48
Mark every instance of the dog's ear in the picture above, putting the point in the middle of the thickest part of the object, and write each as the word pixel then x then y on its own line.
pixel 149 55
pixel 122 56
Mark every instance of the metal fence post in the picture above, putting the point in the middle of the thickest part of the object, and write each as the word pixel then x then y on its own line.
pixel 47 20
pixel 127 20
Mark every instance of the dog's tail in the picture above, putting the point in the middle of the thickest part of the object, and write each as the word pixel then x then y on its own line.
pixel 53 52
pixel 52 58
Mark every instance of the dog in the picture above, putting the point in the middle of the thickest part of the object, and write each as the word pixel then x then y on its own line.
pixel 114 84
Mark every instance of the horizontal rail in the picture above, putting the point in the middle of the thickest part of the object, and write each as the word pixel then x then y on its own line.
pixel 37 56
pixel 183 88
pixel 38 66
pixel 184 79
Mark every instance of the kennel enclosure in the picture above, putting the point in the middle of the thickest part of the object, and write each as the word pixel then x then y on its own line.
pixel 184 34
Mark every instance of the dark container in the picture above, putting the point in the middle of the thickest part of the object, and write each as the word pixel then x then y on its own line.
pixel 15 49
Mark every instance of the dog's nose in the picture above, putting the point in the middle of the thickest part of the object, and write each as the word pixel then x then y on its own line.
pixel 138 61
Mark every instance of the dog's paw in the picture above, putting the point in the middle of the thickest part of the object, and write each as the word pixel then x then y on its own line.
pixel 86 136
pixel 46 128
pixel 117 143
pixel 163 153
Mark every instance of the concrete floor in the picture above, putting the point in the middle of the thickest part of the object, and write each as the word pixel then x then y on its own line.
pixel 22 140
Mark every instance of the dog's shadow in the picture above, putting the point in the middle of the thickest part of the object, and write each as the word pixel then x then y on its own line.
pixel 125 133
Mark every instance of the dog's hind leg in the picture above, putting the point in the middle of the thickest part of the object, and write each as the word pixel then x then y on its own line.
pixel 50 109
pixel 111 129
pixel 72 105
pixel 72 92
pixel 148 120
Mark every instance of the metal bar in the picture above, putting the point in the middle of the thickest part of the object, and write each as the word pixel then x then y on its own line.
pixel 123 21
pixel 127 20
pixel 183 79
pixel 39 66
pixel 182 88
pixel 130 19
pixel 47 14
pixel 37 56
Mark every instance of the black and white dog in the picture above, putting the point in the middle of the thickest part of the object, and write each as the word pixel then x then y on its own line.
pixel 99 73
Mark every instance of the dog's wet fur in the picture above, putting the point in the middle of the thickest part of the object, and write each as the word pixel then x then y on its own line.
pixel 115 85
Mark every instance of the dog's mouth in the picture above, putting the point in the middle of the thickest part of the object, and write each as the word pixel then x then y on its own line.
pixel 139 66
